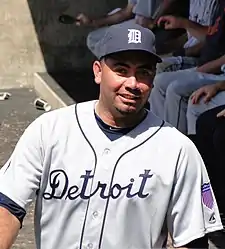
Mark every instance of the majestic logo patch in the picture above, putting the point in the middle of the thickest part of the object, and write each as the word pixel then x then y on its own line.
pixel 207 197
pixel 134 36
pixel 212 219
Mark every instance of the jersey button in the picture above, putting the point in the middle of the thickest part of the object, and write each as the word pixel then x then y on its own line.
pixel 95 214
pixel 90 245
pixel 106 151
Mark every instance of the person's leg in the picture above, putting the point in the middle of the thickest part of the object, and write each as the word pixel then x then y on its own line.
pixel 208 142
pixel 158 94
pixel 178 92
pixel 167 41
pixel 195 110
pixel 219 147
pixel 175 63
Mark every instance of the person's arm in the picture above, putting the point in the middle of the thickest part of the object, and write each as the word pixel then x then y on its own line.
pixel 220 86
pixel 151 22
pixel 194 29
pixel 194 51
pixel 19 181
pixel 213 67
pixel 207 92
pixel 9 228
pixel 117 17
pixel 163 9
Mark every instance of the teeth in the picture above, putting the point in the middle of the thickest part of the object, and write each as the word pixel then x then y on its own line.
pixel 129 97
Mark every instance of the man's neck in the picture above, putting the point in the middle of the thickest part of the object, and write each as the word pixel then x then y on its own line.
pixel 119 120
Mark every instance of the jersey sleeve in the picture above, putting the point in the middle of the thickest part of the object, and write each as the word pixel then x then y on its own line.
pixel 20 176
pixel 192 210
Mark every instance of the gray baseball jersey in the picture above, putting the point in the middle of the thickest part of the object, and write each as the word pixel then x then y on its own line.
pixel 92 192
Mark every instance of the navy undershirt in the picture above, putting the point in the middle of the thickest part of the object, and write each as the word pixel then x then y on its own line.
pixel 114 133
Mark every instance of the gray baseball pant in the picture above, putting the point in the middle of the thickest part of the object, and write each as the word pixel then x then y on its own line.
pixel 169 97
pixel 194 111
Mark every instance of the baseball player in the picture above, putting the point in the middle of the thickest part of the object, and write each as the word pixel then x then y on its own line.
pixel 108 173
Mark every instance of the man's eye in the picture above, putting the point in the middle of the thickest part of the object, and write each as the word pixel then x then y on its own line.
pixel 122 71
pixel 146 73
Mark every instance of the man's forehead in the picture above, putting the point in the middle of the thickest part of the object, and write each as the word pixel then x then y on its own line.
pixel 133 57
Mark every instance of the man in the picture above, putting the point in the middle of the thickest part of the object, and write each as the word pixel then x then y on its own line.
pixel 202 12
pixel 172 89
pixel 142 12
pixel 101 172
pixel 202 100
pixel 210 141
pixel 204 107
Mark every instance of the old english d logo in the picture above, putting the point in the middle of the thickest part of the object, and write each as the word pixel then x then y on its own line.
pixel 134 36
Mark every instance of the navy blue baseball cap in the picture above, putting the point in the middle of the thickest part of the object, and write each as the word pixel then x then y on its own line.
pixel 127 36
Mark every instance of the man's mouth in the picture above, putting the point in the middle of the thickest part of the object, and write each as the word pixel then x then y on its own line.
pixel 129 97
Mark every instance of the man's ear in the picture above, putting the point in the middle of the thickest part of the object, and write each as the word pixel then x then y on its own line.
pixel 97 69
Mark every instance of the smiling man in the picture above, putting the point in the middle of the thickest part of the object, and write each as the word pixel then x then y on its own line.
pixel 108 173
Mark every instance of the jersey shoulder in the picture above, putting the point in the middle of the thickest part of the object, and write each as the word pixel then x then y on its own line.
pixel 169 135
pixel 64 114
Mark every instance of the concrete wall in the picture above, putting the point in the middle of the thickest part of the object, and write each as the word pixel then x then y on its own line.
pixel 32 40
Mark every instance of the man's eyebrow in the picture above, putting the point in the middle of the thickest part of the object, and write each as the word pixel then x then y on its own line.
pixel 148 66
pixel 121 64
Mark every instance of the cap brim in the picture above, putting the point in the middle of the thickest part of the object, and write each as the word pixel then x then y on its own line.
pixel 158 58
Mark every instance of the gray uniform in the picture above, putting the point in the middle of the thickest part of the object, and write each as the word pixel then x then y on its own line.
pixel 92 192
pixel 169 97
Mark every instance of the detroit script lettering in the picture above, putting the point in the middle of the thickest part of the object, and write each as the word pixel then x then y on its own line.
pixel 74 192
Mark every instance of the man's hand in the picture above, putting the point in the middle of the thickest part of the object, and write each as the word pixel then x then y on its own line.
pixel 221 114
pixel 208 92
pixel 170 22
pixel 144 21
pixel 82 19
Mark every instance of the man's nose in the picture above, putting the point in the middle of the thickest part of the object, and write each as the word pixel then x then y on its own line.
pixel 132 82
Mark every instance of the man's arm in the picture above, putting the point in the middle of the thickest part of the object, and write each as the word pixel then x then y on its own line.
pixel 163 9
pixel 213 67
pixel 194 51
pixel 194 29
pixel 117 17
pixel 9 228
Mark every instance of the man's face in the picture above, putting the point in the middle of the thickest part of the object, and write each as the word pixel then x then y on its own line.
pixel 125 79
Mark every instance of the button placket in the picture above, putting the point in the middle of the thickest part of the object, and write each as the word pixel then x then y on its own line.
pixel 90 245
pixel 95 214
pixel 106 151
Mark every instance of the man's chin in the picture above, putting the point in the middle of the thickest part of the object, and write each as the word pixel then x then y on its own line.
pixel 127 110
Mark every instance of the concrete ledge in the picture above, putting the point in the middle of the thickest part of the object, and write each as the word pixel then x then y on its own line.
pixel 48 89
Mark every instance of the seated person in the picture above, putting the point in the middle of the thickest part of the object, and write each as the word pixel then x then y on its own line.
pixel 140 11
pixel 167 40
pixel 202 12
pixel 202 100
pixel 169 97
pixel 210 141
